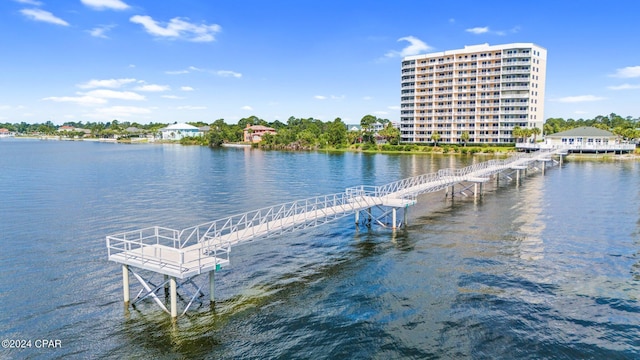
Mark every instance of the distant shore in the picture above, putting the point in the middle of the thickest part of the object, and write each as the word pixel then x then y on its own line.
pixel 408 149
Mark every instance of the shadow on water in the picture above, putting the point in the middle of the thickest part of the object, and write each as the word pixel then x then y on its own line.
pixel 205 331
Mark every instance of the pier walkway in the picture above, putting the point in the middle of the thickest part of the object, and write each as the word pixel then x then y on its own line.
pixel 205 248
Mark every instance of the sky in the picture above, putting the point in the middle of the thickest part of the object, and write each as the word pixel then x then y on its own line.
pixel 201 60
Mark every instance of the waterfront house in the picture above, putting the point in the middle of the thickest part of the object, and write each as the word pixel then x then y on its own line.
pixel 254 133
pixel 179 131
pixel 584 139
pixel 4 132
pixel 66 128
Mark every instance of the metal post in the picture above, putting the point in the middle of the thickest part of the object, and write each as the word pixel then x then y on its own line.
pixel 174 298
pixel 357 216
pixel 125 284
pixel 211 285
pixel 475 190
pixel 517 176
pixel 393 217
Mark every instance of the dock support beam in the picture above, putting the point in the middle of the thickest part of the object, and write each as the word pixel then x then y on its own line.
pixel 211 285
pixel 125 284
pixel 393 218
pixel 357 216
pixel 174 297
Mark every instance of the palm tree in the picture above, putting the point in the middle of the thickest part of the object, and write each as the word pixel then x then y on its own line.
pixel 536 131
pixel 517 132
pixel 465 137
pixel 435 137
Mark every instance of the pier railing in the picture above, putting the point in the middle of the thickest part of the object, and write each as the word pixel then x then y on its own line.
pixel 203 247
pixel 409 188
pixel 158 247
pixel 275 220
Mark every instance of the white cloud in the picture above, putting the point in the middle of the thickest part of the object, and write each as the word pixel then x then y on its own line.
pixel 186 88
pixel 106 4
pixel 394 107
pixel 5 107
pixel 332 97
pixel 29 2
pixel 478 30
pixel 628 72
pixel 174 97
pixel 44 16
pixel 380 113
pixel 190 107
pixel 153 88
pixel 108 83
pixel 120 111
pixel 247 107
pixel 486 30
pixel 367 98
pixel 415 47
pixel 190 69
pixel 579 98
pixel 112 94
pixel 580 112
pixel 228 73
pixel 178 29
pixel 80 100
pixel 100 31
pixel 624 87
pixel 176 72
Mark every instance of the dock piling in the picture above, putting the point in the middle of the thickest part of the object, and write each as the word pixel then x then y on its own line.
pixel 125 283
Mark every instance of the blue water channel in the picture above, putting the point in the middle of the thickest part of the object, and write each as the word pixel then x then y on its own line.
pixel 548 267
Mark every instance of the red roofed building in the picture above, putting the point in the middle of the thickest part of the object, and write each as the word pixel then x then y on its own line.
pixel 254 133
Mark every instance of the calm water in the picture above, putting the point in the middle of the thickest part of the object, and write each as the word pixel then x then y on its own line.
pixel 547 268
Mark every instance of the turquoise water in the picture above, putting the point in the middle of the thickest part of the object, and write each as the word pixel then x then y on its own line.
pixel 546 268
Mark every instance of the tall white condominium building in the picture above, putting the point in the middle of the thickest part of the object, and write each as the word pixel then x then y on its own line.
pixel 482 90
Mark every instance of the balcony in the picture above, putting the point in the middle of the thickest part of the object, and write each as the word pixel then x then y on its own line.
pixel 514 55
pixel 517 71
pixel 515 96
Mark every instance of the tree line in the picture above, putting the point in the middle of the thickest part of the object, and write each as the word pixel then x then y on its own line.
pixel 627 127
pixel 310 133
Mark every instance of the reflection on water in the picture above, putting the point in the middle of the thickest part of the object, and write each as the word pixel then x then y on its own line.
pixel 545 269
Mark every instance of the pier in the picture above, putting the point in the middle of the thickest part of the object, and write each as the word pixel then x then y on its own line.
pixel 182 255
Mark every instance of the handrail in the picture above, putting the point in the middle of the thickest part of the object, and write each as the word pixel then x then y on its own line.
pixel 168 247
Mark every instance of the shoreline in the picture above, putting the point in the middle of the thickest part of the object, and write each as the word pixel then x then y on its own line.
pixel 506 152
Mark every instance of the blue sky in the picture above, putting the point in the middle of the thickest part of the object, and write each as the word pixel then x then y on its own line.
pixel 201 60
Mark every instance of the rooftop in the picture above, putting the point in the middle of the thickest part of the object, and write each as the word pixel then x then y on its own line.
pixel 583 131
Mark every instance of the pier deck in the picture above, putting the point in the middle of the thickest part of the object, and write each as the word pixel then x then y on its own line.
pixel 205 248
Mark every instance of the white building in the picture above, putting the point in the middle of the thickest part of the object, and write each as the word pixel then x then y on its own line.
pixel 482 90
pixel 179 131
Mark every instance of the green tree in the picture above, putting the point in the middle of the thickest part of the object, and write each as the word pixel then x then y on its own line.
pixel 390 133
pixel 366 123
pixel 337 133
pixel 435 137
pixel 517 133
pixel 465 137
pixel 535 131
